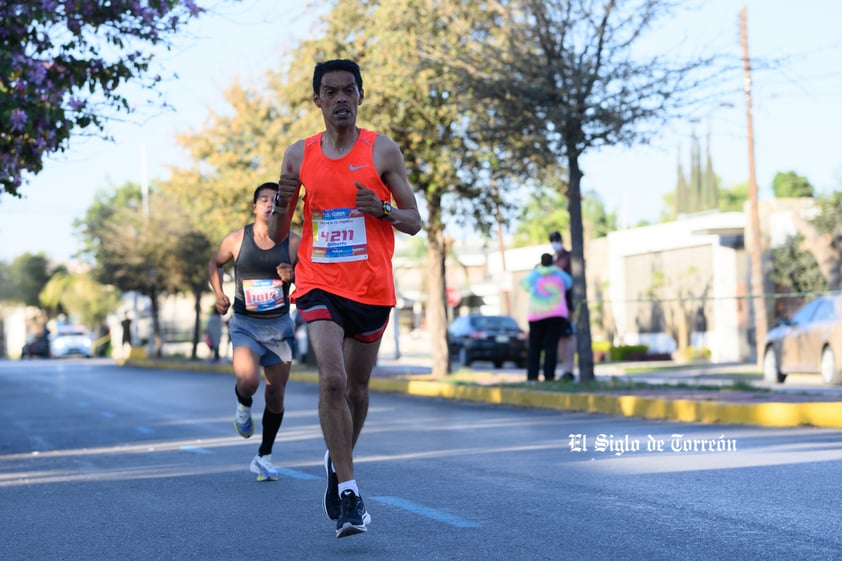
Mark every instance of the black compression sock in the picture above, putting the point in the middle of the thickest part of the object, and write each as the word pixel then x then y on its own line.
pixel 271 426
pixel 245 401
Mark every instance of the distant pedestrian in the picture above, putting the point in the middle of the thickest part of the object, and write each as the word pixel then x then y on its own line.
pixel 547 314
pixel 126 324
pixel 567 342
pixel 213 333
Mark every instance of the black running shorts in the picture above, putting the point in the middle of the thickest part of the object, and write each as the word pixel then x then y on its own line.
pixel 363 322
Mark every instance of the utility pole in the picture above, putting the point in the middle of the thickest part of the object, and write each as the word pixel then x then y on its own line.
pixel 505 289
pixel 757 293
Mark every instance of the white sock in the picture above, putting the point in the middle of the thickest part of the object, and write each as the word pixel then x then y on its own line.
pixel 346 485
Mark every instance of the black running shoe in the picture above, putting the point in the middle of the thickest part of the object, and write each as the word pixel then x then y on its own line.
pixel 331 503
pixel 353 519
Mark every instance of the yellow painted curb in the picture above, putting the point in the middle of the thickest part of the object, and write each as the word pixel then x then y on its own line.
pixel 817 414
pixel 772 414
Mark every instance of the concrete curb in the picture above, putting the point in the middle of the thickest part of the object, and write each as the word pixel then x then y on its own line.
pixel 770 414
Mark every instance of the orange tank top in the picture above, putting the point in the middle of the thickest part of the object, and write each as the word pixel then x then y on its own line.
pixel 343 251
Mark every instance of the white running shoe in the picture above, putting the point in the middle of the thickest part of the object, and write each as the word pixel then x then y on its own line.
pixel 243 422
pixel 262 466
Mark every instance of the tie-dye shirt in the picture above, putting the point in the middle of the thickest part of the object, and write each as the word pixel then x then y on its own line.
pixel 547 287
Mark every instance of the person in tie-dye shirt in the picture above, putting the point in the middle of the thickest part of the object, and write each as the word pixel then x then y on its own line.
pixel 547 315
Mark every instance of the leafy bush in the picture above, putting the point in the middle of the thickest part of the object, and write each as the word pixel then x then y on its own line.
pixel 628 352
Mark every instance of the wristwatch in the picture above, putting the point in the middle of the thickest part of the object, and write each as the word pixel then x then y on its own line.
pixel 387 209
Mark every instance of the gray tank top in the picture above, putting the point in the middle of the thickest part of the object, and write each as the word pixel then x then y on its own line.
pixel 260 291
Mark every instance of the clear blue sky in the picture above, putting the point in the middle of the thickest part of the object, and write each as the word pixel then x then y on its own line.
pixel 796 116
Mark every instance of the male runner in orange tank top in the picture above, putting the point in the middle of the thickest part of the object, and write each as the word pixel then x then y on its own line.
pixel 344 287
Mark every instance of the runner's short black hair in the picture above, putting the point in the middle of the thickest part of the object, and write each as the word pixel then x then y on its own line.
pixel 546 259
pixel 268 185
pixel 339 64
pixel 555 236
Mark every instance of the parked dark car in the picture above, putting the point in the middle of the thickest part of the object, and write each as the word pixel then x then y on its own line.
pixel 37 344
pixel 497 339
pixel 808 342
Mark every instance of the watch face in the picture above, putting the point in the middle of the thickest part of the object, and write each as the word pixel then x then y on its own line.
pixel 387 208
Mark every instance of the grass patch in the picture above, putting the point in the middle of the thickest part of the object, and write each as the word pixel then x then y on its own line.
pixel 612 385
pixel 651 368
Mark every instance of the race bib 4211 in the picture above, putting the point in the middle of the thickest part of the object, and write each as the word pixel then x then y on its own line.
pixel 339 236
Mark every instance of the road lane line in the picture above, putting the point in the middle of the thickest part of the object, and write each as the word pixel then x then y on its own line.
pixel 197 450
pixel 421 510
pixel 295 474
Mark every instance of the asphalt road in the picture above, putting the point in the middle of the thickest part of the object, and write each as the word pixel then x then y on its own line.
pixel 99 462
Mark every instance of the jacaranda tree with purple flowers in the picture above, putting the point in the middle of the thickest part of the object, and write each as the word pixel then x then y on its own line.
pixel 61 65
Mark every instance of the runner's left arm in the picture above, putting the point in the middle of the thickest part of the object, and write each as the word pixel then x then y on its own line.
pixel 390 163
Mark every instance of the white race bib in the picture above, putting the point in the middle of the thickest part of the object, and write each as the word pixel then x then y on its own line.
pixel 339 236
pixel 263 295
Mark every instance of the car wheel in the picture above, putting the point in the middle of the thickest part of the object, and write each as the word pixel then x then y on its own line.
pixel 830 375
pixel 464 357
pixel 771 370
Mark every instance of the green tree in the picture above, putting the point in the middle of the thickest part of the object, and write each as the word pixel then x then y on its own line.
pixel 678 200
pixel 62 67
pixel 695 200
pixel 727 199
pixel 237 150
pixel 828 221
pixel 597 220
pixel 544 211
pixel 27 275
pixel 80 297
pixel 190 270
pixel 547 211
pixel 670 199
pixel 103 208
pixel 795 268
pixel 734 198
pixel 710 182
pixel 134 250
pixel 49 298
pixel 6 289
pixel 681 294
pixel 790 184
pixel 568 66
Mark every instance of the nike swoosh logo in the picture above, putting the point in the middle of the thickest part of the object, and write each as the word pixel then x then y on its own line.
pixel 355 168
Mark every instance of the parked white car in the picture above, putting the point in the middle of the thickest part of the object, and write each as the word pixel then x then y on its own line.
pixel 71 340
pixel 810 342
